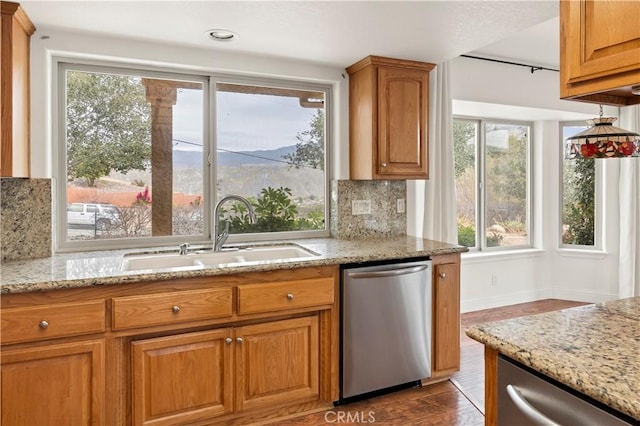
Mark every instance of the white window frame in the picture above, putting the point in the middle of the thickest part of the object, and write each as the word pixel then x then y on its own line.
pixel 598 237
pixel 481 203
pixel 209 80
pixel 283 84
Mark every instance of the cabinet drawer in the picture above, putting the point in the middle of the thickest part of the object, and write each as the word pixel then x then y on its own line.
pixel 50 321
pixel 256 298
pixel 168 308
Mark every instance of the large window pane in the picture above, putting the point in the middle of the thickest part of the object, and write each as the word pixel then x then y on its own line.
pixel 506 184
pixel 578 197
pixel 134 155
pixel 465 142
pixel 271 150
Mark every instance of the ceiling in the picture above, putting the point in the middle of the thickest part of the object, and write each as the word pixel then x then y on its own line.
pixel 336 33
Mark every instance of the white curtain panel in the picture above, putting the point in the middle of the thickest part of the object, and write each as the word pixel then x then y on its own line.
pixel 629 198
pixel 439 220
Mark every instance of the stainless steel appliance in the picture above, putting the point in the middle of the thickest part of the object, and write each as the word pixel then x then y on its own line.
pixel 386 326
pixel 525 399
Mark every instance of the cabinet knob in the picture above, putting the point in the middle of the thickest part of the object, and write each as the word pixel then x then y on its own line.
pixel 443 275
pixel 239 340
pixel 175 309
pixel 43 324
pixel 384 164
pixel 228 340
pixel 290 296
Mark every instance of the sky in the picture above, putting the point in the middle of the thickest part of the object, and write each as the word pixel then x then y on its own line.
pixel 244 122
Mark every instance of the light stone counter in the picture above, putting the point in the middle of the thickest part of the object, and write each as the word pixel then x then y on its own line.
pixel 105 267
pixel 593 349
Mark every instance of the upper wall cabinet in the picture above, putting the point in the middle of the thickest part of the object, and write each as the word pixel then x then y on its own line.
pixel 388 118
pixel 600 51
pixel 16 32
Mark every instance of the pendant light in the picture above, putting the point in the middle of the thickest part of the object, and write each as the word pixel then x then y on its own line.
pixel 602 140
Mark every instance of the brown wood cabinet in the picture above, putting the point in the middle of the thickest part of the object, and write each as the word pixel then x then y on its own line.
pixel 59 384
pixel 600 51
pixel 16 34
pixel 388 118
pixel 277 363
pixel 446 314
pixel 182 378
pixel 172 352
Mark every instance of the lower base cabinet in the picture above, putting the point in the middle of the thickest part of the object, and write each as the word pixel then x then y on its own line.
pixel 183 378
pixel 202 375
pixel 60 384
pixel 277 363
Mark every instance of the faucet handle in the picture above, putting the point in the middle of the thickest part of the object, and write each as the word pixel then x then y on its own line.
pixel 182 248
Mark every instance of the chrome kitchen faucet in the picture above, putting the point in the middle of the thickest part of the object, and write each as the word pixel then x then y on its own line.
pixel 220 238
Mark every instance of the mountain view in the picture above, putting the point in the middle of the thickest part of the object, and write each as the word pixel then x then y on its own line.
pixel 243 173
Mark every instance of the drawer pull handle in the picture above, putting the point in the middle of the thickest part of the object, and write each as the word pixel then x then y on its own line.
pixel 528 410
pixel 43 324
pixel 239 340
pixel 384 164
pixel 175 309
pixel 443 275
pixel 290 296
pixel 228 340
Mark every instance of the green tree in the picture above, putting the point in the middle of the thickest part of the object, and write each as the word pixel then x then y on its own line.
pixel 108 125
pixel 309 150
pixel 463 152
pixel 579 202
pixel 506 178
pixel 275 212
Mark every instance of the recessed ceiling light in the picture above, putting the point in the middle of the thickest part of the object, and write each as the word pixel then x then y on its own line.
pixel 222 35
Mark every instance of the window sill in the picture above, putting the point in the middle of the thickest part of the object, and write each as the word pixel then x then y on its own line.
pixel 582 253
pixel 499 256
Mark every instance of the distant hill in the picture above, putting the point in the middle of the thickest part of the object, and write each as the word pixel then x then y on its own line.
pixel 239 158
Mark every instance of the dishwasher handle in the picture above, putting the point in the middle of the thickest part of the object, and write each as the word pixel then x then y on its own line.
pixel 527 409
pixel 388 272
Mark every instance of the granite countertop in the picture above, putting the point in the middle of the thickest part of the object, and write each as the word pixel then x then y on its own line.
pixel 100 268
pixel 593 349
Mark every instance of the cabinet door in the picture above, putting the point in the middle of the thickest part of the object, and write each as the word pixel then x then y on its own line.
pixel 53 385
pixel 183 378
pixel 605 38
pixel 402 122
pixel 599 50
pixel 14 90
pixel 277 363
pixel 447 316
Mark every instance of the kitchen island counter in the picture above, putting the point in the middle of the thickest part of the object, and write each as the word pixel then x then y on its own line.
pixel 593 349
pixel 99 268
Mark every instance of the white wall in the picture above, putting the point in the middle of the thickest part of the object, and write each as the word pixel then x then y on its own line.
pixel 494 90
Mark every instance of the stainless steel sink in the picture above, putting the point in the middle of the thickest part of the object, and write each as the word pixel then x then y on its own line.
pixel 198 260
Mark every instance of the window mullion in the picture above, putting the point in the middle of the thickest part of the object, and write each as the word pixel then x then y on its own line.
pixel 481 233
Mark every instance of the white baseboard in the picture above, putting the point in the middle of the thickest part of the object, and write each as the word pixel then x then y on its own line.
pixel 580 295
pixel 504 300
pixel 576 295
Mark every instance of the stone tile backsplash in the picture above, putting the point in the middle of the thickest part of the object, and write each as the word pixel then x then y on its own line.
pixel 383 220
pixel 25 218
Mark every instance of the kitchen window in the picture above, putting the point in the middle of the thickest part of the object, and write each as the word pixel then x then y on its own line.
pixel 143 155
pixel 492 161
pixel 580 196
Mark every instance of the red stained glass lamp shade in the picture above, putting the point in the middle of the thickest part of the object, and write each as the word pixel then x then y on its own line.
pixel 602 140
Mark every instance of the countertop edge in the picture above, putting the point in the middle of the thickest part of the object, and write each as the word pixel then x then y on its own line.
pixel 524 357
pixel 122 277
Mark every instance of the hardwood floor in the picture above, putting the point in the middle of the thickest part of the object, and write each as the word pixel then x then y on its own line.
pixel 455 402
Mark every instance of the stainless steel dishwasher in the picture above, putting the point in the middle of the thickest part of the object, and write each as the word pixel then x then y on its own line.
pixel 386 326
